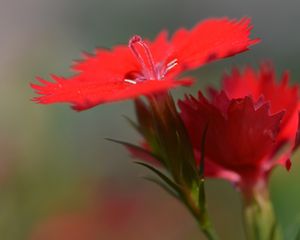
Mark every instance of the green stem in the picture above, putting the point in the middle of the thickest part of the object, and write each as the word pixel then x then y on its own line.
pixel 208 231
pixel 259 217
pixel 210 235
pixel 200 213
pixel 168 136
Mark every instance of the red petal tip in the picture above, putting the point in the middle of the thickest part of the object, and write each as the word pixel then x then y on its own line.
pixel 288 164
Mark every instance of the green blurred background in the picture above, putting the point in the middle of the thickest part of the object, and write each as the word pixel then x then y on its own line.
pixel 59 178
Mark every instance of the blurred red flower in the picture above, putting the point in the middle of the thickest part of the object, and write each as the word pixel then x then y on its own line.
pixel 252 125
pixel 125 71
pixel 115 214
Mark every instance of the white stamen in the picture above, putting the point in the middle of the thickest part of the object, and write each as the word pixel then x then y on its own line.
pixel 170 65
pixel 172 62
pixel 130 81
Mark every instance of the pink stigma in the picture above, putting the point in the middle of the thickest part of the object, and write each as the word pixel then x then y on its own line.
pixel 143 55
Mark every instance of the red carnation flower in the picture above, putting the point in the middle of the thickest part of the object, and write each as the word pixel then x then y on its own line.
pixel 279 94
pixel 264 84
pixel 145 67
pixel 248 123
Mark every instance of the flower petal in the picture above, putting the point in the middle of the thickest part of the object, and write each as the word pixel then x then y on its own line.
pixel 211 40
pixel 264 83
pixel 84 94
pixel 240 137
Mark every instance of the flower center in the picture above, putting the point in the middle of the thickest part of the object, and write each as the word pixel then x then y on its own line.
pixel 149 70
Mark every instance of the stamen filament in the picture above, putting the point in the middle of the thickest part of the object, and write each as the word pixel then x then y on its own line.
pixel 130 81
pixel 171 65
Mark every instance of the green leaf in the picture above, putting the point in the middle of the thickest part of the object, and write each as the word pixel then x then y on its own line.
pixel 133 124
pixel 137 148
pixel 162 176
pixel 163 186
pixel 201 196
pixel 202 159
